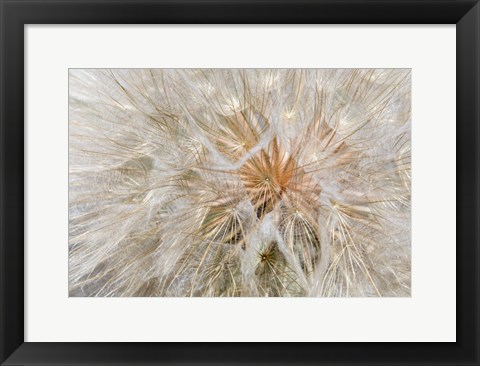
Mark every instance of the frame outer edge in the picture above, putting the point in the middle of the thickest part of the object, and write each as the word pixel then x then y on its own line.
pixel 11 181
pixel 468 179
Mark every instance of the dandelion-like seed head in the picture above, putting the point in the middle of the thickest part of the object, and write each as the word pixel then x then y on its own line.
pixel 210 182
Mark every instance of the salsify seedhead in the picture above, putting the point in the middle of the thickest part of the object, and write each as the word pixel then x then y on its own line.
pixel 239 182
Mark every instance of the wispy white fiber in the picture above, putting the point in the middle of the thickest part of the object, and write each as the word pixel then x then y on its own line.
pixel 239 182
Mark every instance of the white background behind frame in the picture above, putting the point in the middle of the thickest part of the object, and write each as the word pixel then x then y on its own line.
pixel 429 315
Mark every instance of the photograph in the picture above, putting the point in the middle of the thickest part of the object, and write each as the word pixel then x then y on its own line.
pixel 239 182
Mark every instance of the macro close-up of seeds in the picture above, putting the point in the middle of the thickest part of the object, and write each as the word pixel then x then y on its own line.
pixel 240 182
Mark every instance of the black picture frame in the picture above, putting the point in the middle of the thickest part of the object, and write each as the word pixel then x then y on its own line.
pixel 15 14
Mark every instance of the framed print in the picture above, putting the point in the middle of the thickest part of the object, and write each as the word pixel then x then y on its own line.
pixel 239 182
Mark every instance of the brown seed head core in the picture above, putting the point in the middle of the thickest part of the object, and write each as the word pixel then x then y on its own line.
pixel 267 176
